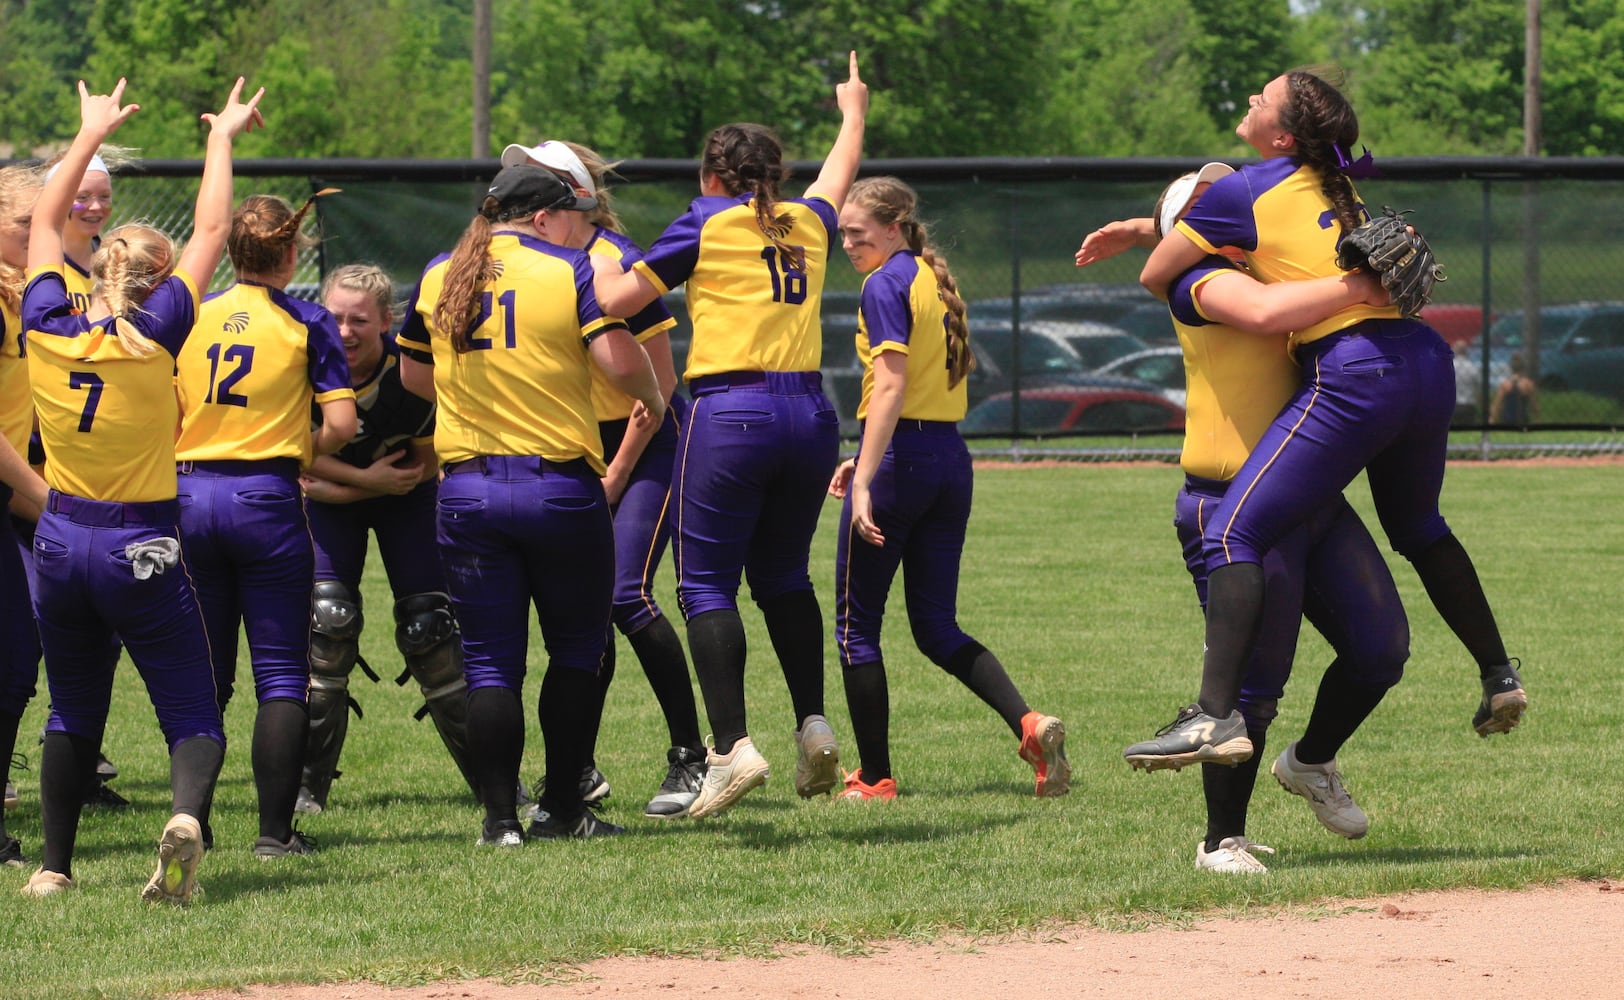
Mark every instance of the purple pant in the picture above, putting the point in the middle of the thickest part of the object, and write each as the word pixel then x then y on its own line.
pixel 248 544
pixel 517 532
pixel 88 592
pixel 642 524
pixel 755 459
pixel 403 525
pixel 921 495
pixel 1328 568
pixel 19 639
pixel 1378 396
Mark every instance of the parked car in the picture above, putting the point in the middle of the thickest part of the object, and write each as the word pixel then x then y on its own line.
pixel 1581 346
pixel 1160 366
pixel 1116 407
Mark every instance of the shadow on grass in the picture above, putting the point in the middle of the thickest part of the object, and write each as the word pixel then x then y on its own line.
pixel 1405 856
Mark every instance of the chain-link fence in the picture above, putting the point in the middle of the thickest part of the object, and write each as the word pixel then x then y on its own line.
pixel 1068 353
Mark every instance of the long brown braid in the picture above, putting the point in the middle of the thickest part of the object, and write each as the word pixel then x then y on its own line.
pixel 469 270
pixel 889 201
pixel 131 261
pixel 263 228
pixel 747 157
pixel 19 189
pixel 1320 118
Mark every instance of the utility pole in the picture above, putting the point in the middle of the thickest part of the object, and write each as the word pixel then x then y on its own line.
pixel 1532 141
pixel 482 79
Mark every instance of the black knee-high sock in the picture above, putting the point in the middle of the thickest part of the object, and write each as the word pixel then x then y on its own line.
pixel 281 729
pixel 868 698
pixel 979 670
pixel 67 767
pixel 194 767
pixel 1228 791
pixel 795 625
pixel 666 666
pixel 495 745
pixel 594 716
pixel 1339 708
pixel 565 695
pixel 716 639
pixel 1234 605
pixel 8 744
pixel 1451 581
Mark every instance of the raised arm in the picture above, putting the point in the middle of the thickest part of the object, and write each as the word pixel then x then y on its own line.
pixel 840 166
pixel 100 115
pixel 212 220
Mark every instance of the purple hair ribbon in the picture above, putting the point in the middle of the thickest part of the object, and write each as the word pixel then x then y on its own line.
pixel 1358 169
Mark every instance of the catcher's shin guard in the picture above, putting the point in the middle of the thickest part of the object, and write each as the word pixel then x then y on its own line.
pixel 426 633
pixel 335 648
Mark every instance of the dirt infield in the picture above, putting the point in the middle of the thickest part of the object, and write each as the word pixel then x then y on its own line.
pixel 1557 941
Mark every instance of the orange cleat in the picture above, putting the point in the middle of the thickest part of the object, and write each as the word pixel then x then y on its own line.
pixel 1043 745
pixel 885 789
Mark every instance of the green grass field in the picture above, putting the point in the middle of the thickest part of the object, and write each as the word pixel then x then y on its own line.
pixel 1073 577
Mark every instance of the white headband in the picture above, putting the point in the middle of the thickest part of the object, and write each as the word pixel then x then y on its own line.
pixel 1178 193
pixel 97 164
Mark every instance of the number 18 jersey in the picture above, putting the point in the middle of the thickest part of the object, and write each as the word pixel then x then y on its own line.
pixel 751 312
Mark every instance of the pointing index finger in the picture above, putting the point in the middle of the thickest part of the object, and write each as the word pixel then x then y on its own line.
pixel 854 64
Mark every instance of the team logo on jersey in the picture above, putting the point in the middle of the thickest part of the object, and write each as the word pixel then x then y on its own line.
pixel 237 322
pixel 497 267
pixel 779 227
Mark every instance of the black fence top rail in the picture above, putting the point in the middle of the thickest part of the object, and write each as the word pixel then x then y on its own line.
pixel 973 169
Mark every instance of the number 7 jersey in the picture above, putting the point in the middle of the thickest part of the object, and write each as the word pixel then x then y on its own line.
pixel 247 376
pixel 106 416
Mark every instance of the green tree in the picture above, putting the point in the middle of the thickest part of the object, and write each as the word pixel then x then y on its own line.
pixel 1124 82
pixel 1240 47
pixel 46 41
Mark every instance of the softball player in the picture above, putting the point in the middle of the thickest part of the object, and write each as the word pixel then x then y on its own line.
pixel 384 482
pixel 912 475
pixel 1377 394
pixel 640 457
pixel 500 334
pixel 246 381
pixel 107 552
pixel 19 640
pixel 761 441
pixel 89 213
pixel 1328 568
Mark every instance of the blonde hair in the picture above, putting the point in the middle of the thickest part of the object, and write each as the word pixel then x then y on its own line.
pixel 113 155
pixel 890 201
pixel 599 169
pixel 368 279
pixel 19 189
pixel 131 262
pixel 263 228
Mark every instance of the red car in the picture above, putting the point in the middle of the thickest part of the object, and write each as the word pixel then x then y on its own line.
pixel 1101 409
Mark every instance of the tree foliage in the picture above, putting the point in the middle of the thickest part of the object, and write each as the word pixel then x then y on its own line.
pixel 649 78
